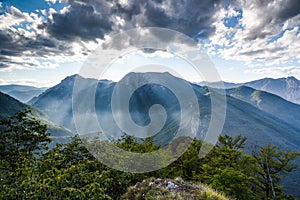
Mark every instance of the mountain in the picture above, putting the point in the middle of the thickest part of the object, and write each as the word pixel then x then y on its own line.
pixel 287 88
pixel 262 124
pixel 21 92
pixel 263 117
pixel 56 102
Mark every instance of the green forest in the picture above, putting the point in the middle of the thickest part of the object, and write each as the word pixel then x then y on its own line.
pixel 29 170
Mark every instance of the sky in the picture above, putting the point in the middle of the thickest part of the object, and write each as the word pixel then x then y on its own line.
pixel 43 41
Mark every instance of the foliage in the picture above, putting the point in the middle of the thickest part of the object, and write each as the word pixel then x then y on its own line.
pixel 228 169
pixel 273 164
pixel 20 138
pixel 69 171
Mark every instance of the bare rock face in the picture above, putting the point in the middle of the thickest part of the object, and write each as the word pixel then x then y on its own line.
pixel 171 189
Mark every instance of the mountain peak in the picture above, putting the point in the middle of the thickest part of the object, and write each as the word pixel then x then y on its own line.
pixel 71 77
pixel 150 76
pixel 149 73
pixel 292 78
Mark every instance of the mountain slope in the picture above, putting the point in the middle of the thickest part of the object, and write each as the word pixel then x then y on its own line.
pixel 287 88
pixel 21 92
pixel 56 102
pixel 276 106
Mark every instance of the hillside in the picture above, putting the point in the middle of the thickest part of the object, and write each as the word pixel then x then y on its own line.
pixel 9 106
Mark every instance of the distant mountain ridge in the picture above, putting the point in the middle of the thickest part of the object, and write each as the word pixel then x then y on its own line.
pixel 22 93
pixel 269 103
pixel 287 88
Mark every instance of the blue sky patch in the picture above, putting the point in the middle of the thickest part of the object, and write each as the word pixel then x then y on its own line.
pixel 32 5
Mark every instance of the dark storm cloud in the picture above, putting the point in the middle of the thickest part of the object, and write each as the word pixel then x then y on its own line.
pixel 289 9
pixel 6 52
pixel 87 20
pixel 272 14
pixel 5 39
pixel 92 19
pixel 84 20
pixel 187 16
pixel 2 65
pixel 14 45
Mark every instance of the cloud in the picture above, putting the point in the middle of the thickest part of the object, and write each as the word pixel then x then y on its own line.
pixel 69 31
pixel 262 19
pixel 51 1
pixel 265 33
pixel 87 20
pixel 187 16
pixel 81 21
pixel 277 71
pixel 14 17
pixel 261 52
pixel 23 44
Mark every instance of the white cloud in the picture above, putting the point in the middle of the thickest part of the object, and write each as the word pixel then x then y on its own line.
pixel 51 1
pixel 31 45
pixel 14 17
pixel 250 40
pixel 27 46
pixel 277 72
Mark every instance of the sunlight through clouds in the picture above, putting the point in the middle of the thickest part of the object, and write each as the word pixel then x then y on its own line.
pixel 256 34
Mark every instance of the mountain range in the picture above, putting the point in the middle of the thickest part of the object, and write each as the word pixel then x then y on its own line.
pixel 253 109
pixel 251 112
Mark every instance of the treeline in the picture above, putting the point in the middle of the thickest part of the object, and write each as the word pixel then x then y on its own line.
pixel 30 171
